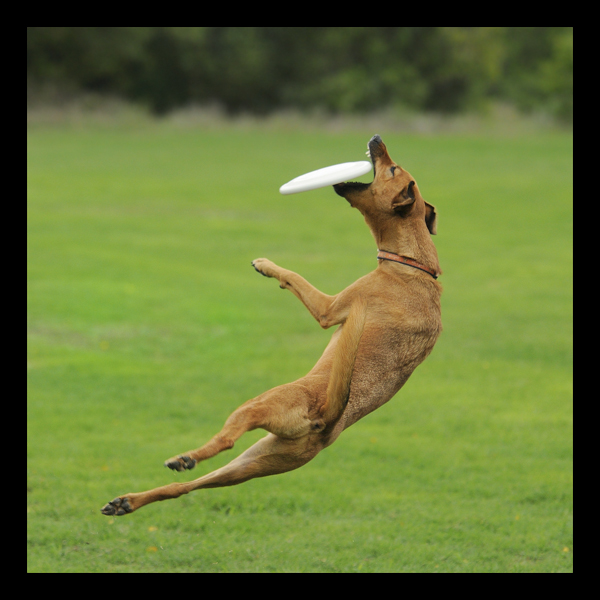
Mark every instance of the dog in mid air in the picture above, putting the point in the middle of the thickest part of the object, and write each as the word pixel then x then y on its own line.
pixel 389 321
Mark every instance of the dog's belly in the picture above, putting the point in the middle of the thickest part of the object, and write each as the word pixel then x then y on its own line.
pixel 386 359
pixel 380 373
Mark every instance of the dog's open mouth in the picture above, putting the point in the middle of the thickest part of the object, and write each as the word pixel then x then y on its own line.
pixel 375 147
pixel 341 189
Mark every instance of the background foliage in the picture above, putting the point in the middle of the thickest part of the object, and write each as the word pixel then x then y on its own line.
pixel 339 69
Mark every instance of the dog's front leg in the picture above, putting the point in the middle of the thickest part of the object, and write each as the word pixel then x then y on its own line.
pixel 327 310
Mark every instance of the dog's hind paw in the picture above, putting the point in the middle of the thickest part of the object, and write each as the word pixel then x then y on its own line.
pixel 119 506
pixel 180 463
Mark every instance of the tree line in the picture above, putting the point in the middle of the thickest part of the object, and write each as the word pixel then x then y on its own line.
pixel 337 69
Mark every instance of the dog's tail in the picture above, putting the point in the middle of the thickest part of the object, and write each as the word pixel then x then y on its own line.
pixel 338 389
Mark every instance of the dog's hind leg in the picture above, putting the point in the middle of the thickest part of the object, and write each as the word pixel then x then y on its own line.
pixel 236 425
pixel 284 410
pixel 269 456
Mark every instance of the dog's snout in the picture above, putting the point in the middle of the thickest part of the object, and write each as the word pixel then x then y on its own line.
pixel 374 143
pixel 376 147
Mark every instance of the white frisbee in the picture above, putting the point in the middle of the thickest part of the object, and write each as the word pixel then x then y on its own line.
pixel 326 176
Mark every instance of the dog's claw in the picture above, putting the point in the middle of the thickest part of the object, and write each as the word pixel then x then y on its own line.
pixel 181 463
pixel 118 506
pixel 256 269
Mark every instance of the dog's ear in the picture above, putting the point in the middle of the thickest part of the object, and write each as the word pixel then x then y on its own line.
pixel 405 198
pixel 431 218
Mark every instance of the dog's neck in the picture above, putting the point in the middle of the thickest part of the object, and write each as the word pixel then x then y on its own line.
pixel 409 238
pixel 403 260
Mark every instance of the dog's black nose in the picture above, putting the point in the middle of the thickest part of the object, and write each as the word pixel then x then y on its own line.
pixel 376 139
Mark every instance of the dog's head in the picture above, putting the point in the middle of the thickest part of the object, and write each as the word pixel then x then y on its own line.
pixel 393 193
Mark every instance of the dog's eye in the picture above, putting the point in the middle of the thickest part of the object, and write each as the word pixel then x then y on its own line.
pixel 392 170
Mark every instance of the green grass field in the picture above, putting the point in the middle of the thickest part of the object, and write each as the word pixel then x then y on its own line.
pixel 147 326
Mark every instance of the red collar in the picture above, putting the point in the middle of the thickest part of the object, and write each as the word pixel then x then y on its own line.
pixel 383 255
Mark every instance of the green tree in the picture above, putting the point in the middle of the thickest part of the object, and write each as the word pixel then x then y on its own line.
pixel 340 69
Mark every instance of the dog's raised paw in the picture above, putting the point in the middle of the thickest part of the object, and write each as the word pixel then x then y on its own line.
pixel 255 265
pixel 263 266
pixel 180 463
pixel 119 506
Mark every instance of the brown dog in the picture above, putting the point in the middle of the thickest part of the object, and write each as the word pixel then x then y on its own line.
pixel 389 322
